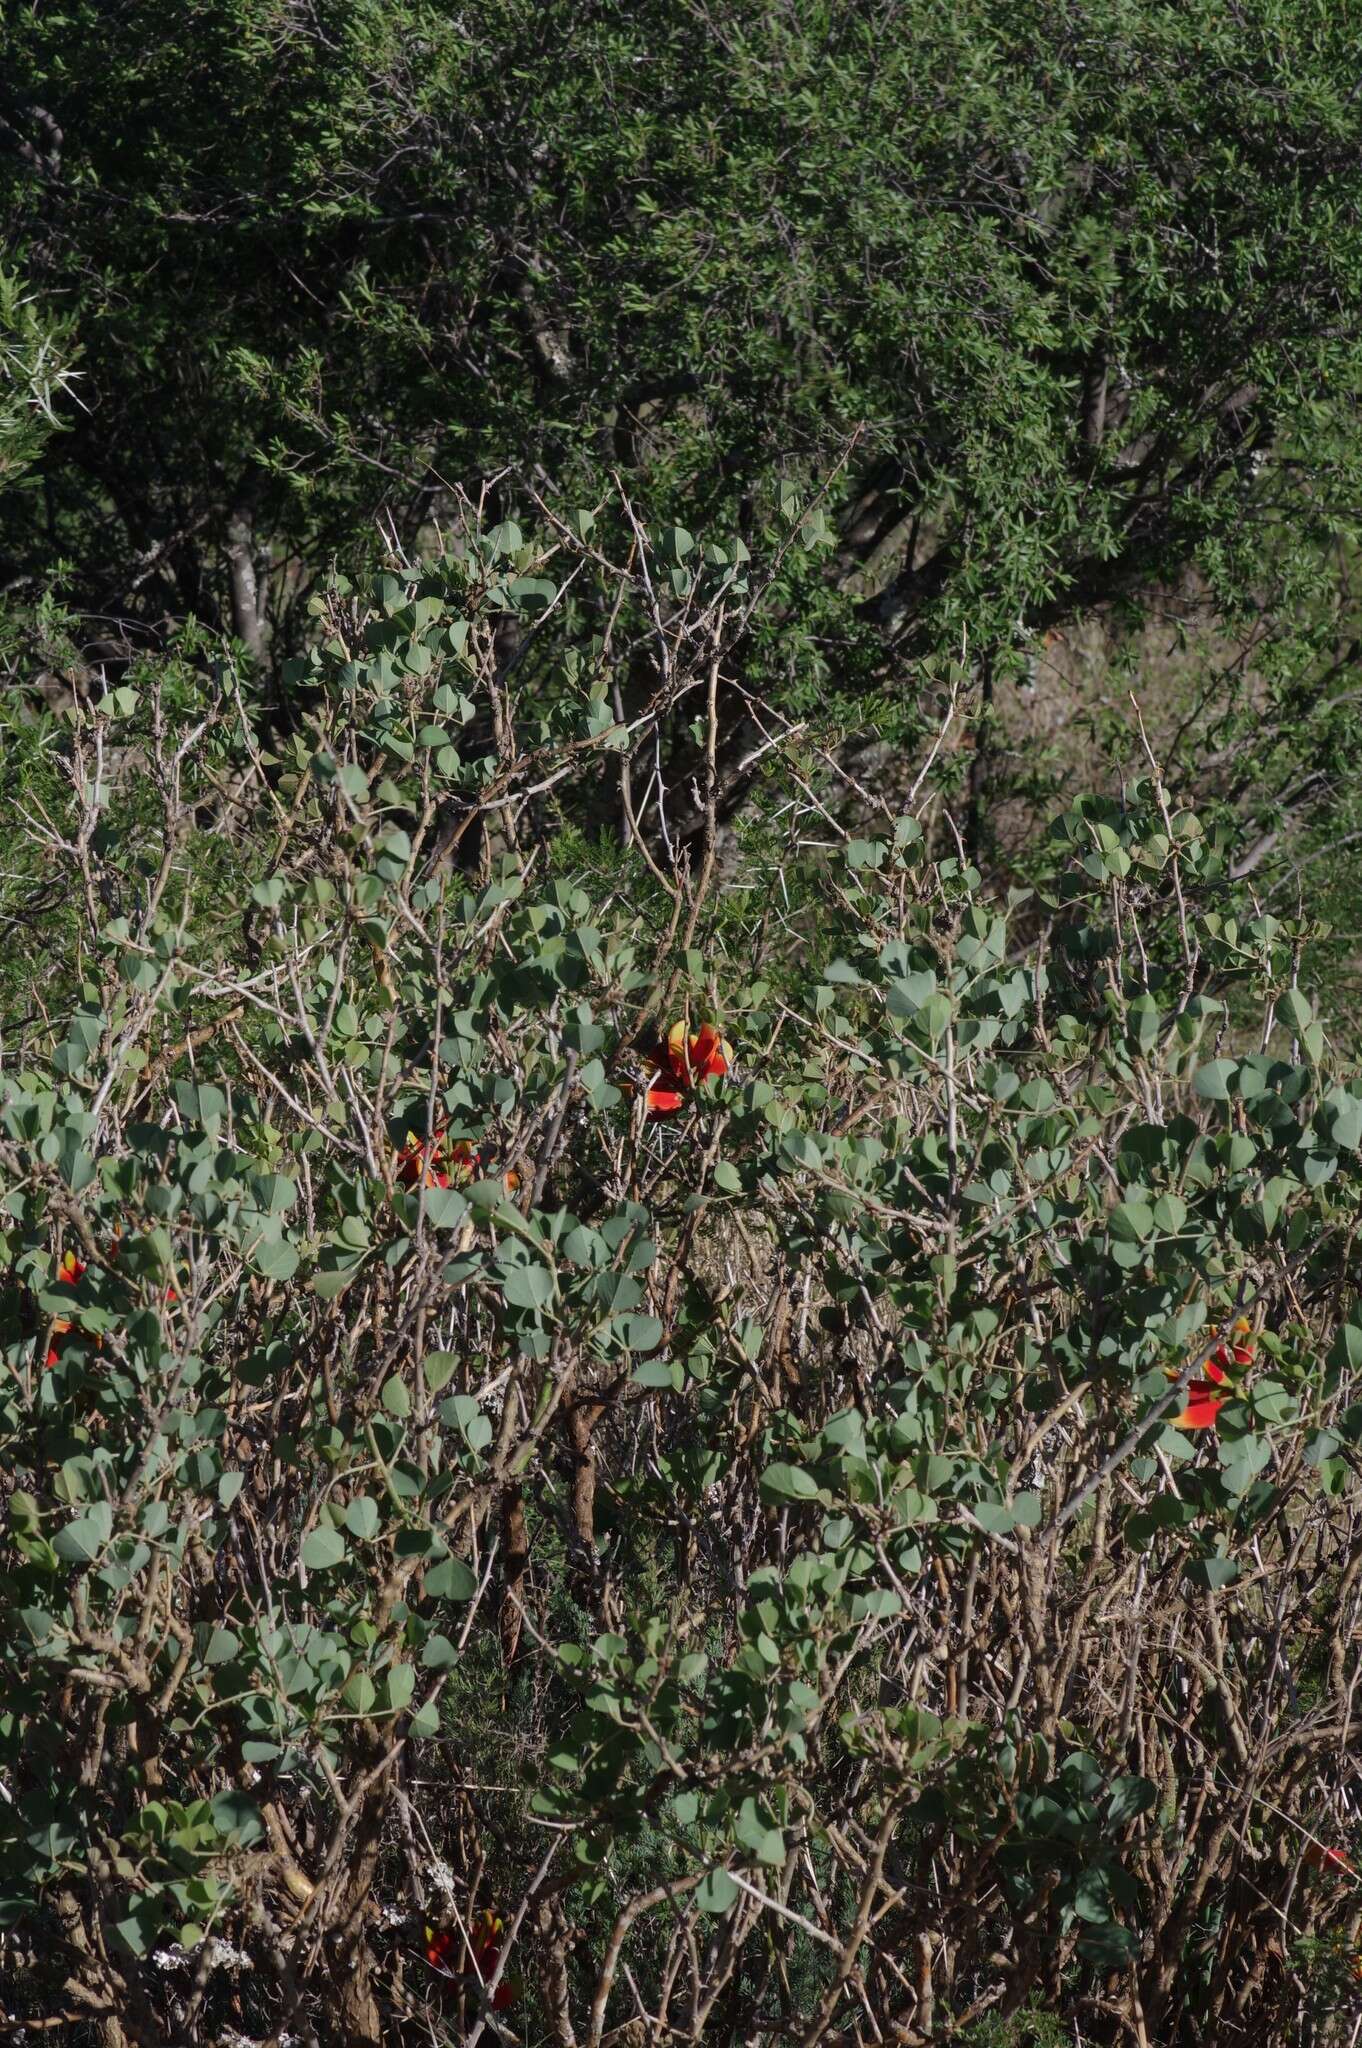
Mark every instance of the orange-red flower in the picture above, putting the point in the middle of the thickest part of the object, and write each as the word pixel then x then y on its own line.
pixel 442 1164
pixel 419 1162
pixel 442 1944
pixel 1203 1402
pixel 1318 1858
pixel 478 1956
pixel 1239 1351
pixel 1202 1407
pixel 683 1061
pixel 701 1058
pixel 664 1099
pixel 69 1271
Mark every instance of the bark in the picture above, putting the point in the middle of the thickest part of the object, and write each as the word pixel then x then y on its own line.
pixel 1095 400
pixel 582 1417
pixel 246 620
pixel 549 343
pixel 515 1555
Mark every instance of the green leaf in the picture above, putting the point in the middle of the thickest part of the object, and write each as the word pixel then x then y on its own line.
pixel 335 1271
pixel 277 1261
pixel 1344 1111
pixel 425 1722
pixel 236 1814
pixel 82 1540
pixel 531 594
pixel 323 1549
pixel 1109 1945
pixel 716 1892
pixel 445 1208
pixel 527 1286
pixel 119 703
pixel 754 1831
pixel 655 1372
pixel 1213 1080
pixel 136 1931
pixel 1091 1896
pixel 673 543
pixel 24 1512
pixel 361 1518
pixel 401 1686
pixel 451 1580
pixel 995 1516
pixel 1212 1572
pixel 462 1412
pixel 1127 1798
pixel 439 1368
pixel 638 1333
pixel 1131 1222
pixel 910 993
pixel 360 1693
pixel 781 1483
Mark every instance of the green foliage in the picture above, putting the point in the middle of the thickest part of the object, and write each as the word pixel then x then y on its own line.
pixel 1086 288
pixel 851 1537
pixel 36 358
pixel 752 1550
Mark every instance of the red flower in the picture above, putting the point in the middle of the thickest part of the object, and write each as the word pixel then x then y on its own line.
pixel 464 1159
pixel 69 1270
pixel 1238 1352
pixel 448 1952
pixel 440 1947
pixel 683 1061
pixel 1203 1403
pixel 701 1058
pixel 1317 1858
pixel 1202 1407
pixel 444 1165
pixel 418 1163
pixel 664 1099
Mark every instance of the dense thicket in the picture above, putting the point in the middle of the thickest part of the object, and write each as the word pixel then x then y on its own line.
pixel 680 1348
pixel 800 1538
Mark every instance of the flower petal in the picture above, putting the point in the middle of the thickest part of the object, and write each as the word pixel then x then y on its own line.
pixel 1202 1408
pixel 1317 1858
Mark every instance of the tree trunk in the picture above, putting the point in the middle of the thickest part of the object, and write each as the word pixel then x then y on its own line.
pixel 246 620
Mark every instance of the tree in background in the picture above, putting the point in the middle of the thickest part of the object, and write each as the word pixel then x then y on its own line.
pixel 1084 280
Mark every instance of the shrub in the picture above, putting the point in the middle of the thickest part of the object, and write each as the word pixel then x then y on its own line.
pixel 756 1553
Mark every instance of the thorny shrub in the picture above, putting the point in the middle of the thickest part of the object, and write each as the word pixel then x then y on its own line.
pixel 623 1440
